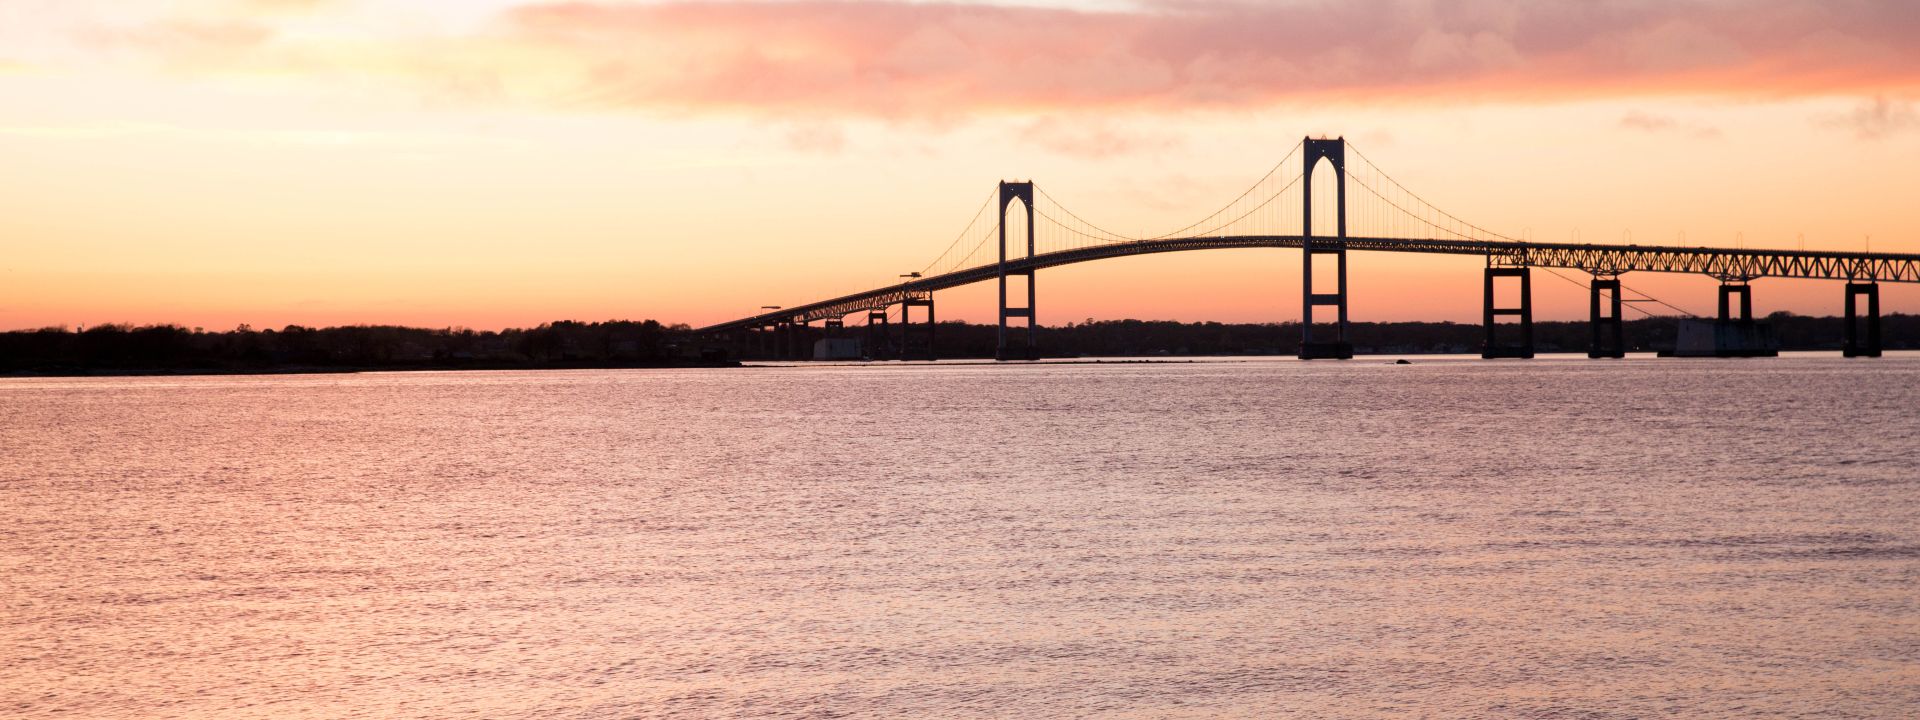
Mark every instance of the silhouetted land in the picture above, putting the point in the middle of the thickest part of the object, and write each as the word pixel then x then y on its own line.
pixel 164 349
pixel 160 349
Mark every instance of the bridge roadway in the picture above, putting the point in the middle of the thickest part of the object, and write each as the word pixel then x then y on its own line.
pixel 1723 263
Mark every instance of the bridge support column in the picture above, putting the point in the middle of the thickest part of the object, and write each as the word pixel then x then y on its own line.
pixel 1738 335
pixel 1609 331
pixel 920 347
pixel 877 338
pixel 1858 343
pixel 1340 347
pixel 1727 291
pixel 782 340
pixel 1009 192
pixel 1494 347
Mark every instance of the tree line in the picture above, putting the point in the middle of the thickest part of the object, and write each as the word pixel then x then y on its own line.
pixel 147 348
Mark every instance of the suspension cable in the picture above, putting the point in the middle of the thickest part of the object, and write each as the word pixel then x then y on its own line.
pixel 1216 213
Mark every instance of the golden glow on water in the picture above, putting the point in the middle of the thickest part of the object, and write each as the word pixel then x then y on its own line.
pixel 1712 539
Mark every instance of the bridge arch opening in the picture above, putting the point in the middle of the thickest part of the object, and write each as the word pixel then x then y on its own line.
pixel 1325 224
pixel 1326 178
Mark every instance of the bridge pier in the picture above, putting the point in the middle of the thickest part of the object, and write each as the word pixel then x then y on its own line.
pixel 877 339
pixel 1341 346
pixel 1609 331
pixel 782 340
pixel 1727 291
pixel 830 328
pixel 909 349
pixel 1860 344
pixel 1009 192
pixel 1494 348
pixel 791 342
pixel 767 341
pixel 1734 333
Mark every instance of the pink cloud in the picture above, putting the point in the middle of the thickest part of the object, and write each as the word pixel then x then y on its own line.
pixel 920 60
pixel 1662 124
pixel 1878 118
pixel 813 60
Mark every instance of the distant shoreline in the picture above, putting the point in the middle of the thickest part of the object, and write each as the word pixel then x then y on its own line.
pixel 761 364
pixel 166 350
pixel 353 369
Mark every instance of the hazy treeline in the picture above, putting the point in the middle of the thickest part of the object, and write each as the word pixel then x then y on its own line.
pixel 1140 337
pixel 124 348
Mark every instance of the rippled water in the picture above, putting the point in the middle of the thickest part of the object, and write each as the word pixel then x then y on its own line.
pixel 1454 538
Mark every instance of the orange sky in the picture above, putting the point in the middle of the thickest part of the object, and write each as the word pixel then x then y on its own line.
pixel 490 163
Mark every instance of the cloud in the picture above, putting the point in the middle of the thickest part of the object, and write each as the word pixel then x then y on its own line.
pixel 944 62
pixel 1092 138
pixel 186 36
pixel 893 59
pixel 819 138
pixel 1663 124
pixel 1877 118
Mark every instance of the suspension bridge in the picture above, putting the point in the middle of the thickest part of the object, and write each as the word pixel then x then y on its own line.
pixel 1371 212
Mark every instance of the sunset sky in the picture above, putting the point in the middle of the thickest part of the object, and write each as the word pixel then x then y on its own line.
pixel 492 163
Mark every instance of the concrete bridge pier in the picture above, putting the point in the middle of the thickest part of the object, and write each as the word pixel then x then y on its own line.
pixel 1609 331
pixel 1495 347
pixel 877 334
pixel 1340 347
pixel 783 340
pixel 1727 291
pixel 1858 343
pixel 1734 333
pixel 916 339
pixel 802 343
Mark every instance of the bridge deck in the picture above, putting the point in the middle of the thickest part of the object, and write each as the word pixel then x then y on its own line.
pixel 1612 259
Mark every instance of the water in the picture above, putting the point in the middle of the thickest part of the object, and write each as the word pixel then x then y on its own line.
pixel 1455 538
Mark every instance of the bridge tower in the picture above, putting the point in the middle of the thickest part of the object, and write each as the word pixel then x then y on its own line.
pixel 1341 346
pixel 1009 192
